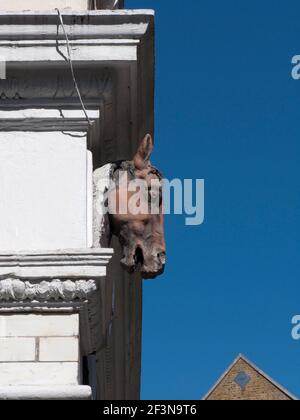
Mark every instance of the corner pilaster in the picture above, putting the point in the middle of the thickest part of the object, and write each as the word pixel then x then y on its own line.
pixel 51 318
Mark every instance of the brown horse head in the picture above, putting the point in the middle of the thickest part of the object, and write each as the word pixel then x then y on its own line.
pixel 141 235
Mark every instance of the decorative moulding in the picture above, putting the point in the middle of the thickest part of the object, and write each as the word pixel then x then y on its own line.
pixel 70 281
pixel 44 291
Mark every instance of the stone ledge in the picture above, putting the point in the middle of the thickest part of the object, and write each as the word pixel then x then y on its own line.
pixel 61 349
pixel 101 24
pixel 39 373
pixel 75 264
pixel 117 13
pixel 45 393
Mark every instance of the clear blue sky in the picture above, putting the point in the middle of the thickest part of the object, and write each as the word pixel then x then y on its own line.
pixel 227 110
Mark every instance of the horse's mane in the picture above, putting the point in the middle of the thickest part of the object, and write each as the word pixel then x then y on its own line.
pixel 128 166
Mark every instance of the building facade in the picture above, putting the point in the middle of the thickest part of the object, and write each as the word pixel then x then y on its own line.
pixel 243 381
pixel 77 93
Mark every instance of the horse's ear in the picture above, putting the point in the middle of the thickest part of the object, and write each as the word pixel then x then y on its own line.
pixel 142 156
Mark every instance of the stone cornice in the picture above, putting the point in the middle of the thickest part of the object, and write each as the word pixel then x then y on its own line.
pixel 108 24
pixel 63 281
pixel 46 291
pixel 69 264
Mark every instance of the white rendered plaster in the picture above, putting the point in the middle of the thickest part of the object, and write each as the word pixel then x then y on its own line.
pixel 73 264
pixel 59 114
pixel 93 53
pixel 43 191
pixel 38 374
pixel 17 349
pixel 104 38
pixel 39 325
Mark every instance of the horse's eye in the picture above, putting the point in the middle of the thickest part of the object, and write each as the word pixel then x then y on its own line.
pixel 155 194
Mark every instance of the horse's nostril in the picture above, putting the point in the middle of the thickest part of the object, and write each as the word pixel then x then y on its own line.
pixel 139 256
pixel 162 257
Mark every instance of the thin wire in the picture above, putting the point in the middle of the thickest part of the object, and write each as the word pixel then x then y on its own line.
pixel 72 68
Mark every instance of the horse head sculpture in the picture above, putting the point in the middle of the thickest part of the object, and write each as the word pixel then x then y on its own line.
pixel 122 188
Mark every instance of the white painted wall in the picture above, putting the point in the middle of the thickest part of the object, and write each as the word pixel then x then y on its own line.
pixel 11 5
pixel 43 191
pixel 39 349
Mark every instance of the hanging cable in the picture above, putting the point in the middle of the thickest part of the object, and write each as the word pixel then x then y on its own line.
pixel 72 68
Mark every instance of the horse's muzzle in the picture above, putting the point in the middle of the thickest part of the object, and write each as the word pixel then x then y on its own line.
pixel 150 265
